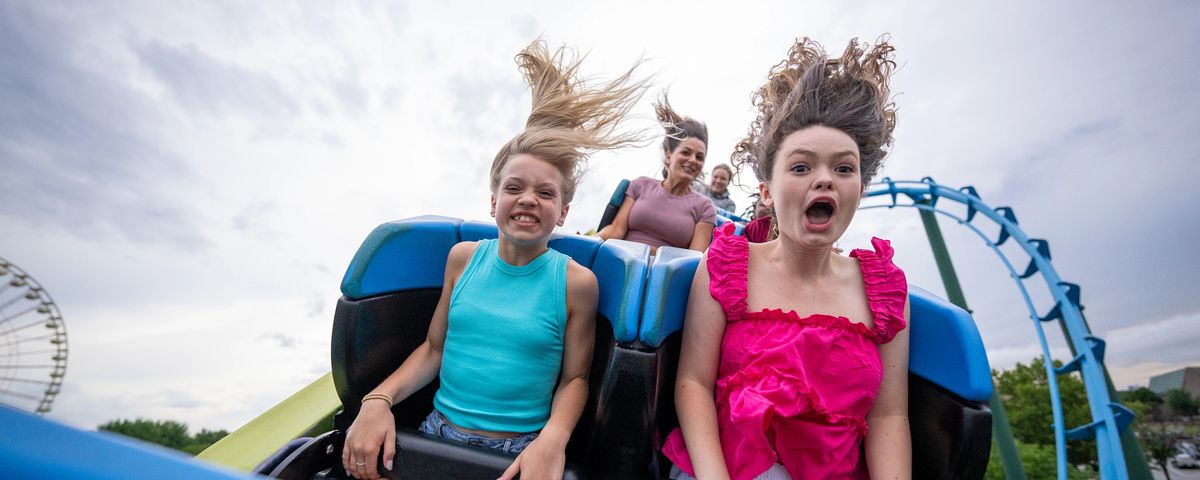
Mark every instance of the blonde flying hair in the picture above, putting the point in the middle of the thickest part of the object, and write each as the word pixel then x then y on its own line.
pixel 808 88
pixel 570 118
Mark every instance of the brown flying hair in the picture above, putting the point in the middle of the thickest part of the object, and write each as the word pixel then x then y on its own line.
pixel 808 88
pixel 570 118
pixel 677 127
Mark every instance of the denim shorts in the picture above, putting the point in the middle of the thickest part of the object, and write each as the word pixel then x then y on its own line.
pixel 435 424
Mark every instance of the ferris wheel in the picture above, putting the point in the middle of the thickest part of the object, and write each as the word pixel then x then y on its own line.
pixel 33 342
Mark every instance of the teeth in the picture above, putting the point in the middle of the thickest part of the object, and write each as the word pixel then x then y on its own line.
pixel 524 218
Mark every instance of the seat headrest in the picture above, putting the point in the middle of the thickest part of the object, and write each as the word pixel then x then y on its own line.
pixel 411 253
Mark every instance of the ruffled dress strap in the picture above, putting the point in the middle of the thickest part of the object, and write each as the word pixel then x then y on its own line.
pixel 886 287
pixel 727 258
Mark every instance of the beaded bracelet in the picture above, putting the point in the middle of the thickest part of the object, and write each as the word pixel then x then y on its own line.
pixel 379 396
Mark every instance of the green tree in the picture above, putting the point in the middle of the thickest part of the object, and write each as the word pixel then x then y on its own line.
pixel 1146 404
pixel 203 440
pixel 1159 445
pixel 1026 395
pixel 1140 394
pixel 167 433
pixel 1039 462
pixel 1182 403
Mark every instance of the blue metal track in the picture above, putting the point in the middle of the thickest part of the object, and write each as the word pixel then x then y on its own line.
pixel 1108 416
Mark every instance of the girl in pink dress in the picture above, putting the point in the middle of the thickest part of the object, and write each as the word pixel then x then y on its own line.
pixel 794 359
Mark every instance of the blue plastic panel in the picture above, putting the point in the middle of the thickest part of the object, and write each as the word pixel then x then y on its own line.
pixel 945 347
pixel 667 288
pixel 401 255
pixel 731 217
pixel 580 248
pixel 620 268
pixel 474 231
pixel 33 447
pixel 618 196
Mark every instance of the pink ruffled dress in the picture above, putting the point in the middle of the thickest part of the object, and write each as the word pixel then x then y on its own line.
pixel 804 385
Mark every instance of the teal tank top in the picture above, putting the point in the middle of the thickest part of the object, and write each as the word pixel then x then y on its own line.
pixel 504 342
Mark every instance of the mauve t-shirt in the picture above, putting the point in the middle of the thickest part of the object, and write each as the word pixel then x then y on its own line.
pixel 659 218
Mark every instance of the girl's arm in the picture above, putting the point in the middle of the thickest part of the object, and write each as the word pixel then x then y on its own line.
pixel 698 361
pixel 701 237
pixel 375 426
pixel 546 456
pixel 620 224
pixel 889 444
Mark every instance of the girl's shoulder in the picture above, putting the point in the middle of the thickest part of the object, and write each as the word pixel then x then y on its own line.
pixel 579 275
pixel 462 251
pixel 728 246
pixel 581 282
pixel 726 263
pixel 641 185
pixel 702 208
pixel 878 262
pixel 886 287
pixel 459 256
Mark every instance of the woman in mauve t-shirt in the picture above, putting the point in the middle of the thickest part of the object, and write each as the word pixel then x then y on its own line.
pixel 668 212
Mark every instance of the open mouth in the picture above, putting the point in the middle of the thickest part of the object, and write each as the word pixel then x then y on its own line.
pixel 819 213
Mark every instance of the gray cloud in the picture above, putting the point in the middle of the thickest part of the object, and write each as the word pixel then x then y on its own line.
pixel 282 340
pixel 353 97
pixel 1169 340
pixel 485 108
pixel 177 399
pixel 203 83
pixel 314 304
pixel 1080 121
pixel 69 163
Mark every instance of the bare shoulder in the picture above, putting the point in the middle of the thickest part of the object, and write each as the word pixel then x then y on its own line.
pixel 581 280
pixel 459 255
pixel 848 267
pixel 758 256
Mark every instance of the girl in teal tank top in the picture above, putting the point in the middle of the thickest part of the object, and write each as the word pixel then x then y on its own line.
pixel 515 318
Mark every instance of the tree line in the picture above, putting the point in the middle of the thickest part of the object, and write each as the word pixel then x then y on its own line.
pixel 1161 421
pixel 168 433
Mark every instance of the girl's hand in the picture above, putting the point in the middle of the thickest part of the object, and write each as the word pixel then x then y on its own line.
pixel 540 460
pixel 374 426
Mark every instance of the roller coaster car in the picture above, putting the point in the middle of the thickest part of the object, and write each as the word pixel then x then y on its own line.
pixel 389 293
pixel 392 287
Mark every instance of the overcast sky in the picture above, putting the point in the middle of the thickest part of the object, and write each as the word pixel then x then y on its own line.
pixel 190 180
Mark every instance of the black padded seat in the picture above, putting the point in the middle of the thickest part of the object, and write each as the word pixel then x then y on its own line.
pixel 389 294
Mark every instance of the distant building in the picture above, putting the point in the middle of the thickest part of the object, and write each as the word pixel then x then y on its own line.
pixel 1187 379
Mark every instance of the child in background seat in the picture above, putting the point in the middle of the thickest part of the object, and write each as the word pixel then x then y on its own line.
pixel 515 318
